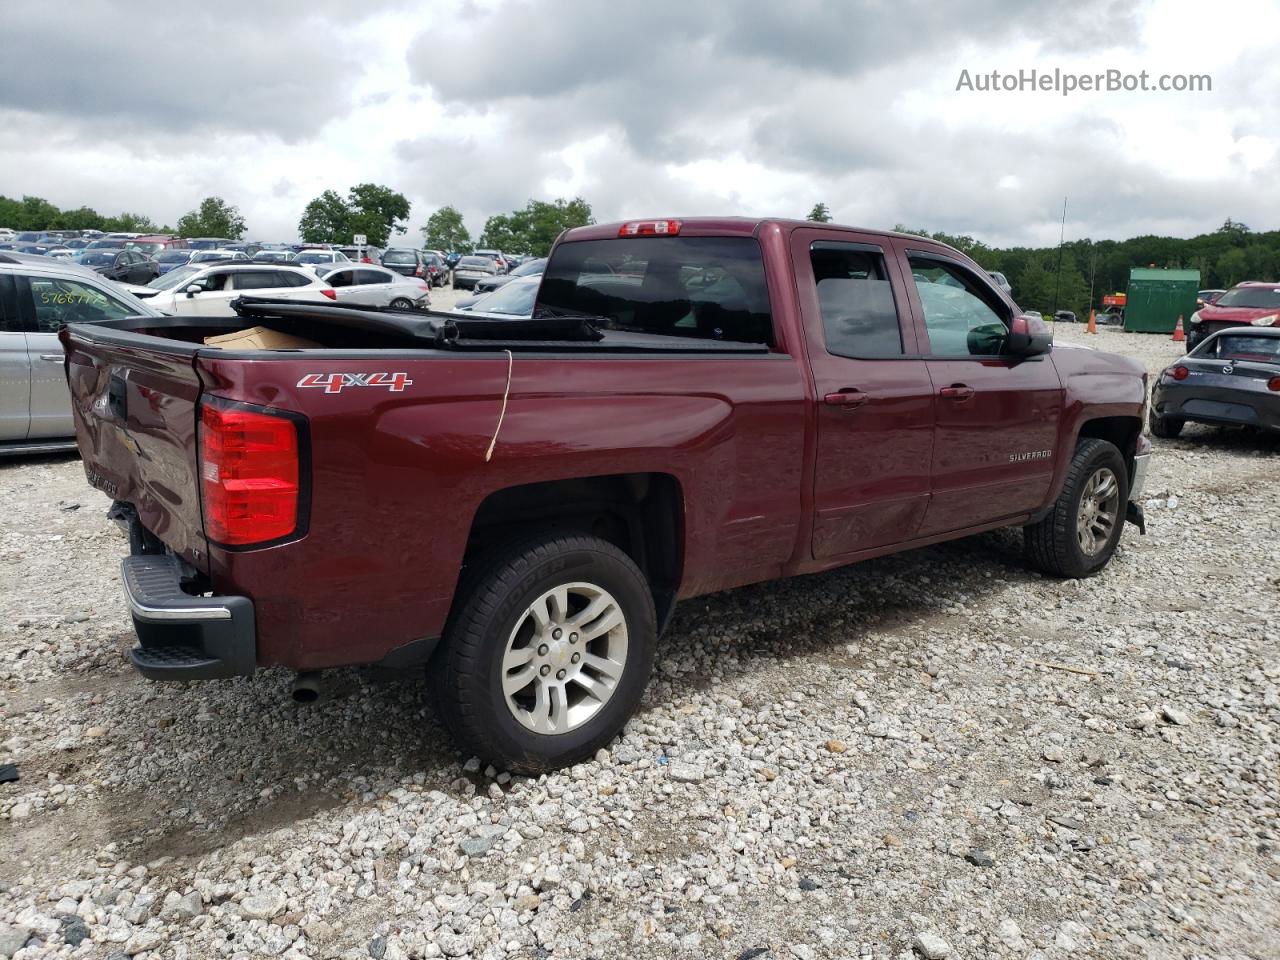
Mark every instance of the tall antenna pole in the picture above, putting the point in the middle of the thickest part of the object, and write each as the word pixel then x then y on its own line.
pixel 1057 274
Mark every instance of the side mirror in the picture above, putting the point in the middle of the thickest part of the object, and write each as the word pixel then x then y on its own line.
pixel 1028 337
pixel 193 289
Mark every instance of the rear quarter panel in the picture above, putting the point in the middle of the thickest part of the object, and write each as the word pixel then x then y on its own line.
pixel 397 478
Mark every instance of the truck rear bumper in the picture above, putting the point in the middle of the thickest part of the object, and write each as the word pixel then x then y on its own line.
pixel 185 637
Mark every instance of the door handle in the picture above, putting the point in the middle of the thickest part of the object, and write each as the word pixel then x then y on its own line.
pixel 957 391
pixel 54 357
pixel 848 397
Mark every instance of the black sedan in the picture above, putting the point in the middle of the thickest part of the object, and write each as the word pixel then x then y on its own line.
pixel 127 266
pixel 1232 378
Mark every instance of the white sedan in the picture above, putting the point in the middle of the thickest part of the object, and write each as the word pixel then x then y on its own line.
pixel 207 290
pixel 370 286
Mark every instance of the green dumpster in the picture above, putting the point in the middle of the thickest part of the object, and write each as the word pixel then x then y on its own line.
pixel 1158 297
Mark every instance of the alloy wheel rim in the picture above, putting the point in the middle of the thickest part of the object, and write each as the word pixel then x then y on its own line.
pixel 1099 511
pixel 564 658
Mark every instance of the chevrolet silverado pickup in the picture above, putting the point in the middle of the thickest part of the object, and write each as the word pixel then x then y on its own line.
pixel 517 505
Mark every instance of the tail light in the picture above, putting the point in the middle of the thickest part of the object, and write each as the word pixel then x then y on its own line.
pixel 329 293
pixel 417 271
pixel 1179 373
pixel 650 228
pixel 1274 384
pixel 250 474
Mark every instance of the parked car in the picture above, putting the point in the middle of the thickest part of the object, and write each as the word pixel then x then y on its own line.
pixel 437 270
pixel 653 436
pixel 7 234
pixel 405 261
pixel 496 256
pixel 373 286
pixel 37 297
pixel 530 268
pixel 206 290
pixel 129 266
pixel 250 250
pixel 470 270
pixel 514 299
pixel 1000 280
pixel 1246 304
pixel 1065 316
pixel 365 254
pixel 273 256
pixel 151 244
pixel 1232 378
pixel 168 260
pixel 1206 297
pixel 208 243
pixel 217 256
pixel 320 257
pixel 38 249
pixel 77 243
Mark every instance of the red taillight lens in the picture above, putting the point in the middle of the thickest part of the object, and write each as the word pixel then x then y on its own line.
pixel 417 271
pixel 329 293
pixel 249 475
pixel 1274 384
pixel 650 228
pixel 1179 373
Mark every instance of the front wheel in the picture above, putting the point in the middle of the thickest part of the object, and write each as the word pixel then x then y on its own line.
pixel 1082 530
pixel 548 653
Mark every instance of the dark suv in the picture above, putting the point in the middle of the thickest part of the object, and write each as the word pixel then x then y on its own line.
pixel 405 261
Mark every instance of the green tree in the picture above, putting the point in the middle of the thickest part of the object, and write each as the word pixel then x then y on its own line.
pixel 133 223
pixel 819 213
pixel 446 231
pixel 213 218
pixel 326 219
pixel 82 218
pixel 534 229
pixel 377 212
pixel 1232 267
pixel 35 213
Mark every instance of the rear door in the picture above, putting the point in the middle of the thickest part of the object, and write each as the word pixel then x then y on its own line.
pixel 997 416
pixel 15 367
pixel 874 396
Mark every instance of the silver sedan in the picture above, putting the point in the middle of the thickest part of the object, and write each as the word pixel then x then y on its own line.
pixel 371 286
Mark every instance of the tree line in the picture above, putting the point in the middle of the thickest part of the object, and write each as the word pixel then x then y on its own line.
pixel 214 217
pixel 1079 275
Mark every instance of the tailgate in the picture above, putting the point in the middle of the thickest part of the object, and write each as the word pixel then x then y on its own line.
pixel 134 400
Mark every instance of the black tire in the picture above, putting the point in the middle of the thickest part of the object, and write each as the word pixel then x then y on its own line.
pixel 1166 428
pixel 1052 545
pixel 400 303
pixel 466 672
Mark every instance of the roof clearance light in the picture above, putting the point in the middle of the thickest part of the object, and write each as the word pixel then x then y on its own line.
pixel 650 228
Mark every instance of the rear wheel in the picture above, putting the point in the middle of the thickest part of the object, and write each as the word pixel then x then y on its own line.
pixel 1166 428
pixel 1081 532
pixel 548 653
pixel 400 303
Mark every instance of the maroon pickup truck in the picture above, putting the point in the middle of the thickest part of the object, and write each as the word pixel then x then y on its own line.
pixel 517 505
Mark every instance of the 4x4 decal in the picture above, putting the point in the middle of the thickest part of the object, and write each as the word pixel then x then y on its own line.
pixel 337 382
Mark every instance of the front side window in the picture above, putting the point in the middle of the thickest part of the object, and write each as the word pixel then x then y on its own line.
pixel 859 316
pixel 58 301
pixel 705 287
pixel 961 314
pixel 338 278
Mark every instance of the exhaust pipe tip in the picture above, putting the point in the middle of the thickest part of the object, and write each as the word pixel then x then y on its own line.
pixel 306 688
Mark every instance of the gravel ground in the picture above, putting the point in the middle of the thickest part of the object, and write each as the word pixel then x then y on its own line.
pixel 884 761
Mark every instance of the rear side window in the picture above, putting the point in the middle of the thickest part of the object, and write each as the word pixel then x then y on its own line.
pixel 59 301
pixel 1234 346
pixel 292 278
pixel 371 276
pixel 859 316
pixel 706 287
pixel 961 313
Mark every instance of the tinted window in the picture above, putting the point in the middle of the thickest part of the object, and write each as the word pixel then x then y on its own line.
pixel 339 278
pixel 859 318
pixel 708 287
pixel 256 279
pixel 1264 297
pixel 400 256
pixel 1237 346
pixel 59 301
pixel 372 276
pixel 532 268
pixel 9 321
pixel 962 315
pixel 293 278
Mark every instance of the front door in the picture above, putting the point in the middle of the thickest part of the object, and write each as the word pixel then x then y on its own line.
pixel 997 415
pixel 873 393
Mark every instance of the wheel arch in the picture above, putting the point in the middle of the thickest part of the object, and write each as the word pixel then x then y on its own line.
pixel 640 513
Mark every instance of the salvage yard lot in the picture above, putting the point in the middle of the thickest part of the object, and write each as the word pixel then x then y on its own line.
pixel 841 765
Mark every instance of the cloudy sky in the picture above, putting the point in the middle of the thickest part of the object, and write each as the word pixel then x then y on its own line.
pixel 667 107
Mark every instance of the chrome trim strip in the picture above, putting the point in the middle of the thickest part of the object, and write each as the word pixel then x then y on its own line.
pixel 1141 464
pixel 144 612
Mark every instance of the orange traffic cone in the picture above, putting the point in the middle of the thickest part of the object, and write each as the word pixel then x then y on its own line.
pixel 1178 335
pixel 1093 321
